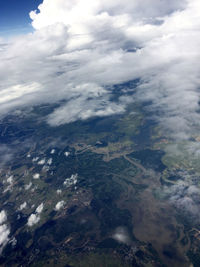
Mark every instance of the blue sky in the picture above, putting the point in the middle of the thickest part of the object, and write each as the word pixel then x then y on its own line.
pixel 14 16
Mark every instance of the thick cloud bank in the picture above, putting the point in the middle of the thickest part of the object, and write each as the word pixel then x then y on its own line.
pixel 80 48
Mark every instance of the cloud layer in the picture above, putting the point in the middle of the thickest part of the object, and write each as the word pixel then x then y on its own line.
pixel 81 48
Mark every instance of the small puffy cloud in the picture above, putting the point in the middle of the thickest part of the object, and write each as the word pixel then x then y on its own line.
pixel 23 206
pixel 60 205
pixel 33 219
pixel 58 191
pixel 41 162
pixel 49 161
pixel 121 235
pixel 67 153
pixel 36 176
pixel 28 186
pixel 10 183
pixel 35 159
pixel 71 180
pixel 53 151
pixel 40 208
pixel 10 180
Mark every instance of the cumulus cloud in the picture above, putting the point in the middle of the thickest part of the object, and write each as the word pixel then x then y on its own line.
pixel 80 49
pixel 88 11
pixel 23 206
pixel 10 183
pixel 58 191
pixel 72 180
pixel 40 208
pixel 10 180
pixel 41 162
pixel 49 161
pixel 60 205
pixel 36 176
pixel 33 219
pixel 53 151
pixel 66 153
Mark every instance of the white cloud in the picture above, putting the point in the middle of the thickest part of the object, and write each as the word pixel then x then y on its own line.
pixel 23 206
pixel 58 191
pixel 80 14
pixel 33 219
pixel 4 236
pixel 28 186
pixel 60 205
pixel 10 180
pixel 49 162
pixel 121 235
pixel 82 48
pixel 36 176
pixel 35 159
pixel 67 153
pixel 185 195
pixel 14 92
pixel 4 231
pixel 41 162
pixel 72 180
pixel 3 217
pixel 81 108
pixel 53 151
pixel 40 208
pixel 45 168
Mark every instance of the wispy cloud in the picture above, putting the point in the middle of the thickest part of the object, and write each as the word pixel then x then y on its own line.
pixel 121 235
pixel 6 154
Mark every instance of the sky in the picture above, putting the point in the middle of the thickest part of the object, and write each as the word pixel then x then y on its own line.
pixel 14 16
pixel 82 48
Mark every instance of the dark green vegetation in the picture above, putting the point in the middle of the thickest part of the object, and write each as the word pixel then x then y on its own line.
pixel 110 182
